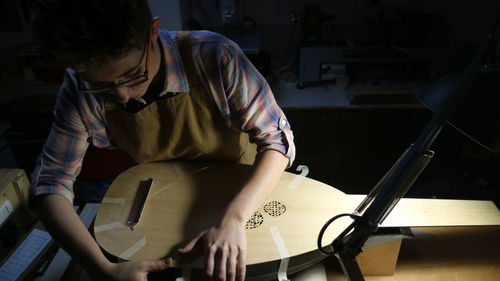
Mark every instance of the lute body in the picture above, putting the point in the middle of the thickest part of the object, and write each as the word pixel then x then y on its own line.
pixel 189 197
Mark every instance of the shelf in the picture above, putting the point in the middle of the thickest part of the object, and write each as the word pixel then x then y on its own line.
pixel 332 96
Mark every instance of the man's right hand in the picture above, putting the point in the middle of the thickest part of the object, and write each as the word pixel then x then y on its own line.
pixel 134 271
pixel 59 217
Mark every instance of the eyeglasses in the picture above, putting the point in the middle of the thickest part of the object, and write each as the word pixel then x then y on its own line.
pixel 129 82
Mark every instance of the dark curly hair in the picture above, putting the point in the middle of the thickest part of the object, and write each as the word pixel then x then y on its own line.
pixel 84 34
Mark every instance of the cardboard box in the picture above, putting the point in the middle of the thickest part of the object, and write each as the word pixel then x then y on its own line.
pixel 379 260
pixel 14 186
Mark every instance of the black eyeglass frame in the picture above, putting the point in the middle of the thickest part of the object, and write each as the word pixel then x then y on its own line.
pixel 131 82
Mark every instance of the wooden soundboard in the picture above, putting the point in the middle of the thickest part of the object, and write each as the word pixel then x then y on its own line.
pixel 188 197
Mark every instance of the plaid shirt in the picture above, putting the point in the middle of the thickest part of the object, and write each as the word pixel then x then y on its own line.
pixel 242 96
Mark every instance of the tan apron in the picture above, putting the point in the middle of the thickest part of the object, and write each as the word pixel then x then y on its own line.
pixel 186 126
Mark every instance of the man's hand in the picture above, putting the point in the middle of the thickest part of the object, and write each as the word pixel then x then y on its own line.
pixel 225 246
pixel 134 271
pixel 225 250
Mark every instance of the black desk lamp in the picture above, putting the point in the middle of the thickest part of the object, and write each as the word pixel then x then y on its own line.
pixel 470 103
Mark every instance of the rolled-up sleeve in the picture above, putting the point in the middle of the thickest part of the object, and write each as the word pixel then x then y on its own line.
pixel 60 161
pixel 251 103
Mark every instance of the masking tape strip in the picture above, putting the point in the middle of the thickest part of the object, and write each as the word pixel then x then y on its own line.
pixel 283 252
pixel 112 200
pixel 134 249
pixel 108 226
pixel 185 274
pixel 304 170
pixel 178 170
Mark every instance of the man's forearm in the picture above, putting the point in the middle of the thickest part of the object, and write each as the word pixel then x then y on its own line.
pixel 65 226
pixel 268 168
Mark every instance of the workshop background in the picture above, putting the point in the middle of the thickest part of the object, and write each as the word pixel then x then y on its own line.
pixel 346 72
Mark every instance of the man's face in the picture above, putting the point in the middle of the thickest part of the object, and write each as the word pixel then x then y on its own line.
pixel 126 71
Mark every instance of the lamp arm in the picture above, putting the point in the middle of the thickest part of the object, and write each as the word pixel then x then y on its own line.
pixel 398 180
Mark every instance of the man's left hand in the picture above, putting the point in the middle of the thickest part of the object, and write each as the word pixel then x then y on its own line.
pixel 225 249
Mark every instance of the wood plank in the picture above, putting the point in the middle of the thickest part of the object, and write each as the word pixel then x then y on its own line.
pixel 413 212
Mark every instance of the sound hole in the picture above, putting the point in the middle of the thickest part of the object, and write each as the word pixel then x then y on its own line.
pixel 275 208
pixel 255 220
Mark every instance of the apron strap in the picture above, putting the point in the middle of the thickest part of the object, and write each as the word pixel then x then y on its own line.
pixel 185 49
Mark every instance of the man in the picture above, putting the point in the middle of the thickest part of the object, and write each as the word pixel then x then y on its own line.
pixel 158 95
